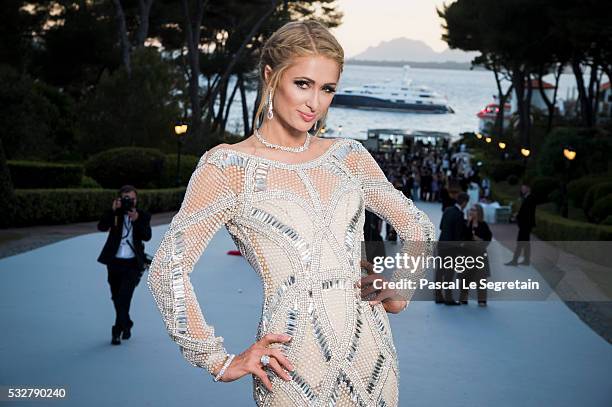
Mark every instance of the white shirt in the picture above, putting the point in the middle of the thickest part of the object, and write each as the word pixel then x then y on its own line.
pixel 125 251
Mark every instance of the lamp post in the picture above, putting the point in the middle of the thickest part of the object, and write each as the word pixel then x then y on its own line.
pixel 502 147
pixel 179 130
pixel 525 152
pixel 569 154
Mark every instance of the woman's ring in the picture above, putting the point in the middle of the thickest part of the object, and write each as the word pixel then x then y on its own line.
pixel 265 360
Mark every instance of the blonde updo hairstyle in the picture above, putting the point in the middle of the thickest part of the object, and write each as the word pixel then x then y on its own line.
pixel 292 40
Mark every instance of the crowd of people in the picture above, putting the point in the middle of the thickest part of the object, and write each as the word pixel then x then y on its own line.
pixel 444 174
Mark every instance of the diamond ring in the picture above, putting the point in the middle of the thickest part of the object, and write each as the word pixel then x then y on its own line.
pixel 265 360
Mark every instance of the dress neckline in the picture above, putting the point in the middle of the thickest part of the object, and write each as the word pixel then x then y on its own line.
pixel 321 156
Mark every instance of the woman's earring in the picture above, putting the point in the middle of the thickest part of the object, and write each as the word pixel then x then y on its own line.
pixel 270 113
pixel 316 126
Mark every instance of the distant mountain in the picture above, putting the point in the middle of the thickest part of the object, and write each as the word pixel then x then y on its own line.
pixel 405 49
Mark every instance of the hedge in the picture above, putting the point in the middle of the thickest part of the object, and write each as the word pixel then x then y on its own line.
pixel 602 208
pixel 59 206
pixel 138 166
pixel 36 174
pixel 593 194
pixel 542 187
pixel 577 189
pixel 501 170
pixel 553 227
pixel 188 165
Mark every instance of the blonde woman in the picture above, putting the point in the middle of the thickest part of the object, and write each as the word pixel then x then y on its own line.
pixel 481 237
pixel 294 204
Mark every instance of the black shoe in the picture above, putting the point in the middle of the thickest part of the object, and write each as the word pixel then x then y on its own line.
pixel 439 301
pixel 511 263
pixel 524 263
pixel 127 333
pixel 464 302
pixel 116 332
pixel 452 302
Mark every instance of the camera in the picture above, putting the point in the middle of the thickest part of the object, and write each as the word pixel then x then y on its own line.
pixel 127 203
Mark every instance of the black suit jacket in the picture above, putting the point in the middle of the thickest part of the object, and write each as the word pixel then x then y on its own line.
pixel 526 214
pixel 141 233
pixel 453 225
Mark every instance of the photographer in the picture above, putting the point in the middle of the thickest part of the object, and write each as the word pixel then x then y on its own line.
pixel 124 255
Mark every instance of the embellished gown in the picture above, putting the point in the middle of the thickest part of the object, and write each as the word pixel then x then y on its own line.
pixel 300 227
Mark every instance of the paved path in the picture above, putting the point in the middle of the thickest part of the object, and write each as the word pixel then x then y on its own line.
pixel 57 314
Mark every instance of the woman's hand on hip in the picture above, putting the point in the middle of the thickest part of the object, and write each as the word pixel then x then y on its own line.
pixel 249 361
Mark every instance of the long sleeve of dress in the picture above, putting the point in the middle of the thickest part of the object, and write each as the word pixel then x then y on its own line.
pixel 208 204
pixel 413 226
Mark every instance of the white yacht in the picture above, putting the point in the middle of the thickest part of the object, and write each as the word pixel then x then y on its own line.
pixel 406 97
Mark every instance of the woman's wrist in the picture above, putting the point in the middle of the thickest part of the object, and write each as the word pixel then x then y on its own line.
pixel 219 373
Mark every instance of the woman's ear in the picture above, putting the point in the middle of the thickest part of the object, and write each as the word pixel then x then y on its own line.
pixel 267 72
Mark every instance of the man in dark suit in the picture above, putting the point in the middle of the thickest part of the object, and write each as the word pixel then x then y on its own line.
pixel 454 231
pixel 525 219
pixel 123 254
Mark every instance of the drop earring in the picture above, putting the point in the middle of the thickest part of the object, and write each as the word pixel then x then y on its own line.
pixel 270 113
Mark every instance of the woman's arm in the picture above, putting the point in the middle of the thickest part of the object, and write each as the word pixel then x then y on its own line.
pixel 413 226
pixel 208 204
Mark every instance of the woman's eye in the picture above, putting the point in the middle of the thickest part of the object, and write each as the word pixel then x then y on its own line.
pixel 301 83
pixel 330 90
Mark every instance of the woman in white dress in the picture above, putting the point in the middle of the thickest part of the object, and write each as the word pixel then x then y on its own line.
pixel 294 204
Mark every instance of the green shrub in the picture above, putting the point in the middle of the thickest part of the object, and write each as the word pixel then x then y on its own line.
pixel 512 179
pixel 542 187
pixel 138 166
pixel 553 227
pixel 37 174
pixel 88 182
pixel 602 208
pixel 58 206
pixel 578 188
pixel 501 170
pixel 593 194
pixel 188 165
pixel 607 221
pixel 593 148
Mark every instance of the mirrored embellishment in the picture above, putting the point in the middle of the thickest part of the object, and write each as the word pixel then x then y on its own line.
pixel 358 328
pixel 300 244
pixel 291 328
pixel 378 365
pixel 261 175
pixel 304 387
pixel 318 331
pixel 178 285
pixel 273 301
pixel 349 238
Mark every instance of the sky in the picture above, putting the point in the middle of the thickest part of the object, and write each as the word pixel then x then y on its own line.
pixel 369 22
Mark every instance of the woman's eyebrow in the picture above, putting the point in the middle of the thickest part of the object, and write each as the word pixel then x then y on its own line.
pixel 312 81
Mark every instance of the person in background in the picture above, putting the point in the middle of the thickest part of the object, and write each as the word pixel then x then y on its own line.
pixel 453 233
pixel 481 236
pixel 525 219
pixel 123 254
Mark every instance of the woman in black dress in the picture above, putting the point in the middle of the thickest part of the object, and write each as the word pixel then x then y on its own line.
pixel 481 237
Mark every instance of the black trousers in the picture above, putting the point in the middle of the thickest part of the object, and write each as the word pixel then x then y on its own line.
pixel 523 245
pixel 123 277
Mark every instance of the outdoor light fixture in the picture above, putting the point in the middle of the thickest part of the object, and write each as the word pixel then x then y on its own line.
pixel 488 139
pixel 525 152
pixel 180 129
pixel 569 153
pixel 478 136
pixel 501 145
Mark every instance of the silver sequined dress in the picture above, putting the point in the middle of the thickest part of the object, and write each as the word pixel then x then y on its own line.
pixel 300 227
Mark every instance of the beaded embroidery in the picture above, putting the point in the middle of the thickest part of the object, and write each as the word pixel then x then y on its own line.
pixel 310 293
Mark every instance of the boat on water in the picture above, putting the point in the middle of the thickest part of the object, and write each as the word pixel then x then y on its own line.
pixel 406 97
pixel 488 115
